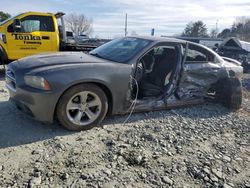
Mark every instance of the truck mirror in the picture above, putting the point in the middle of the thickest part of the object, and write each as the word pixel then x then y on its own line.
pixel 17 25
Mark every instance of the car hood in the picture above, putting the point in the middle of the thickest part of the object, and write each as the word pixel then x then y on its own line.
pixel 60 58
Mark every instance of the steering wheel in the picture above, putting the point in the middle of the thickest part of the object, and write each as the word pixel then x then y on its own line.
pixel 148 62
pixel 144 66
pixel 139 70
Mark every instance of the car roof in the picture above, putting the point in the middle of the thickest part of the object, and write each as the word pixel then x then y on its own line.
pixel 160 39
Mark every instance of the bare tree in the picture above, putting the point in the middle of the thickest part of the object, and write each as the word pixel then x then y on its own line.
pixel 213 33
pixel 240 29
pixel 79 24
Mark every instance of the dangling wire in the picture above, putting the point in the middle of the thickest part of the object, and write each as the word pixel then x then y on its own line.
pixel 132 106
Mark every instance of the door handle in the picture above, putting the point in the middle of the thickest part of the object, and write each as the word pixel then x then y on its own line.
pixel 45 37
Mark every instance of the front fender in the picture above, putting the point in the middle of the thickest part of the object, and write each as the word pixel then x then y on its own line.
pixel 114 77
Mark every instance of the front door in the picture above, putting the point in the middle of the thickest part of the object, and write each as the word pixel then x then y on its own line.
pixel 161 69
pixel 33 38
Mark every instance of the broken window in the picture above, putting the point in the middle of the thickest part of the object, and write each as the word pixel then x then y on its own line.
pixel 154 70
pixel 197 54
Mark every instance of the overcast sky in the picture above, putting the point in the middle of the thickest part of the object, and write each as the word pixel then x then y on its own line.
pixel 168 17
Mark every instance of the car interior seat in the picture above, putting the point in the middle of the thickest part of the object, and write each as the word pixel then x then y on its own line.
pixel 154 83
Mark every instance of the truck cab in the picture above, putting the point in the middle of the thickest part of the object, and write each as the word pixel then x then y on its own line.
pixel 30 33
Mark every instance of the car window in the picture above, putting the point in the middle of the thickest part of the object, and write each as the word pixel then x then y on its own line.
pixel 158 55
pixel 35 23
pixel 198 54
pixel 161 49
pixel 121 50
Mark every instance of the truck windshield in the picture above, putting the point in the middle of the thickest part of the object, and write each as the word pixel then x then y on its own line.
pixel 121 50
pixel 11 18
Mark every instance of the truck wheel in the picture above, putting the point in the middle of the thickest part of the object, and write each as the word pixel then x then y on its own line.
pixel 82 107
pixel 229 93
pixel 1 61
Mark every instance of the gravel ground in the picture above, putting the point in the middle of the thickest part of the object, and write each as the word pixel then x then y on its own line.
pixel 201 146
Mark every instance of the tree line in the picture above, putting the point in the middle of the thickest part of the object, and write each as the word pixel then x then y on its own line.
pixel 239 29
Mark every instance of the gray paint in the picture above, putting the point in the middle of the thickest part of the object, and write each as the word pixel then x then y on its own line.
pixel 63 70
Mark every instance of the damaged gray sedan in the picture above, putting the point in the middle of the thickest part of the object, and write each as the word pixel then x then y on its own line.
pixel 131 73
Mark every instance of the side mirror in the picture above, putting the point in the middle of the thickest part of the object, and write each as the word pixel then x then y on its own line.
pixel 17 25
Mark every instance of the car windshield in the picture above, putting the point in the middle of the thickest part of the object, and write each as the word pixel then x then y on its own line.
pixel 121 50
pixel 11 18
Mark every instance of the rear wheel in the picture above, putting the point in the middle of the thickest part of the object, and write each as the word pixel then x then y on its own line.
pixel 229 93
pixel 82 107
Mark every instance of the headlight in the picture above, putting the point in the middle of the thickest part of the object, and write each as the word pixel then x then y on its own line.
pixel 37 82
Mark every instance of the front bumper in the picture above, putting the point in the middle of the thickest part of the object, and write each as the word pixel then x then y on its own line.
pixel 39 105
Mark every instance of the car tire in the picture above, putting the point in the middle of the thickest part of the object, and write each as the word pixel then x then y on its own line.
pixel 67 116
pixel 229 93
pixel 1 61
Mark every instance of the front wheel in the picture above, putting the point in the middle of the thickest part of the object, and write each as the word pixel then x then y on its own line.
pixel 82 107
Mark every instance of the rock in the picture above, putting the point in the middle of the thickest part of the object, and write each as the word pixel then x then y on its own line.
pixel 217 173
pixel 84 176
pixel 60 146
pixel 3 91
pixel 138 159
pixel 58 139
pixel 158 129
pixel 148 137
pixel 154 182
pixel 226 158
pixel 110 142
pixel 206 170
pixel 65 176
pixel 123 145
pixel 135 144
pixel 79 138
pixel 238 159
pixel 156 154
pixel 214 178
pixel 35 181
pixel 107 172
pixel 169 153
pixel 198 174
pixel 1 167
pixel 144 176
pixel 247 185
pixel 36 152
pixel 225 185
pixel 206 179
pixel 167 180
pixel 37 174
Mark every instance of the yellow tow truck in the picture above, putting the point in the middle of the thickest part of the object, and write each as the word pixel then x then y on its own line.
pixel 33 33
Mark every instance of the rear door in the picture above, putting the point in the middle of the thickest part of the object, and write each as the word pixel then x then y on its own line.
pixel 34 37
pixel 200 71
